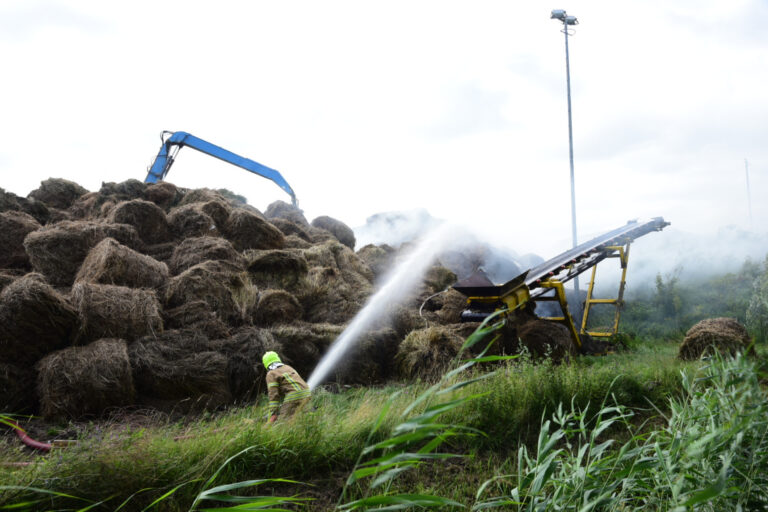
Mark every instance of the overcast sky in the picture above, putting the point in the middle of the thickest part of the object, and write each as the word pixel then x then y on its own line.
pixel 364 107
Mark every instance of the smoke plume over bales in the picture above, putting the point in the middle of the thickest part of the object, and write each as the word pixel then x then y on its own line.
pixel 465 254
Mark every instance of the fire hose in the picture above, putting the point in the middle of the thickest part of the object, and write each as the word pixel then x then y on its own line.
pixel 35 445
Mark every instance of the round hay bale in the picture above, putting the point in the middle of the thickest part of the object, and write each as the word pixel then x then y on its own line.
pixel 172 376
pixel 320 236
pixel 190 221
pixel 233 198
pixel 57 251
pixel 338 229
pixel 247 230
pixel 250 344
pixel 196 315
pixel 379 258
pixel 160 252
pixel 724 335
pixel 242 379
pixel 201 195
pixel 451 304
pixel 294 242
pixel 34 320
pixel 163 194
pixel 371 360
pixel 289 228
pixel 85 381
pixel 427 353
pixel 465 329
pixel 58 215
pixel 58 193
pixel 404 320
pixel 109 262
pixel 184 340
pixel 148 219
pixel 18 393
pixel 125 190
pixel 196 250
pixel 301 346
pixel 219 211
pixel 438 278
pixel 337 284
pixel 285 211
pixel 7 276
pixel 14 227
pixel 11 202
pixel 547 339
pixel 88 206
pixel 276 307
pixel 108 311
pixel 352 268
pixel 327 298
pixel 223 286
pixel 276 268
pixel 36 209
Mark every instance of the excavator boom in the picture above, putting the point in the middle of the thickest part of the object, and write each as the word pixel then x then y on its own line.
pixel 177 140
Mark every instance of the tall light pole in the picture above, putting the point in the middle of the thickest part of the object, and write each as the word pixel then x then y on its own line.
pixel 560 14
pixel 749 194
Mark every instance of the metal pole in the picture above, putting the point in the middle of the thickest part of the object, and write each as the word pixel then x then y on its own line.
pixel 749 194
pixel 570 148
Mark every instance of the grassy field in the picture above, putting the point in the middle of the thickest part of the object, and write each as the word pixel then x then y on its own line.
pixel 116 462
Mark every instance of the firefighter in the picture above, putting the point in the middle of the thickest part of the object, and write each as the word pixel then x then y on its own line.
pixel 288 392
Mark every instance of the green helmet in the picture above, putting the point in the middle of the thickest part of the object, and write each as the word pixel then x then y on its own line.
pixel 269 358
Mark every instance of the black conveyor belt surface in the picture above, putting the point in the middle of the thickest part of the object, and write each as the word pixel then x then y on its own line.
pixel 618 236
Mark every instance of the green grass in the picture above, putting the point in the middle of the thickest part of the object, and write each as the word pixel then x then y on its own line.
pixel 322 447
pixel 711 453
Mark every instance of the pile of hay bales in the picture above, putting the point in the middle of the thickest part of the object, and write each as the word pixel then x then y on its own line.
pixel 155 295
pixel 724 335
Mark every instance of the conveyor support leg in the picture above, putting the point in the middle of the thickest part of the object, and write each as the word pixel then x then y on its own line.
pixel 566 319
pixel 622 252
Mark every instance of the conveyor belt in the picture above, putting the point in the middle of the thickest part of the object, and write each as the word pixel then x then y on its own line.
pixel 584 256
pixel 567 265
pixel 484 296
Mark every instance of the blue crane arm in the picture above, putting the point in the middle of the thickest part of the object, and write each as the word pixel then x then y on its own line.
pixel 165 158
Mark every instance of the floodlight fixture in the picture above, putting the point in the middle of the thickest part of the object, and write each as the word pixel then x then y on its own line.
pixel 558 14
pixel 571 20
